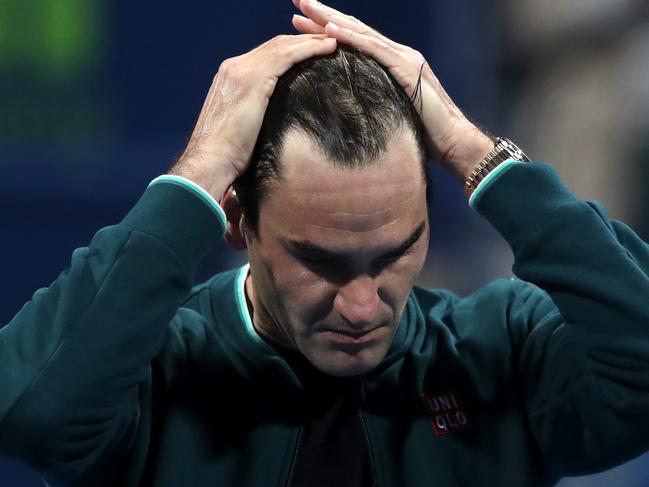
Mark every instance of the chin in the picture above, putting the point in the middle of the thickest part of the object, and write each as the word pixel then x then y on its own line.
pixel 354 371
pixel 343 364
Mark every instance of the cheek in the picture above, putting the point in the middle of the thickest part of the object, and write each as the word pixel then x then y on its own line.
pixel 309 298
pixel 396 285
pixel 419 257
pixel 400 278
pixel 298 296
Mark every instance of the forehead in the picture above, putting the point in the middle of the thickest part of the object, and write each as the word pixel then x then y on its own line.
pixel 315 199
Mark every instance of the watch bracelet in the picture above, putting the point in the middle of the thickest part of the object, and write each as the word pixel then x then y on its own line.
pixel 502 151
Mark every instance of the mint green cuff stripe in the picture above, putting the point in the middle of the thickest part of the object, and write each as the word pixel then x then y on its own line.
pixel 197 190
pixel 240 293
pixel 489 179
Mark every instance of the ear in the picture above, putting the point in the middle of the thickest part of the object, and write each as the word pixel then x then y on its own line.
pixel 234 234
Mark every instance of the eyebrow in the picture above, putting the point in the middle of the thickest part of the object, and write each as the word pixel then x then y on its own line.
pixel 307 247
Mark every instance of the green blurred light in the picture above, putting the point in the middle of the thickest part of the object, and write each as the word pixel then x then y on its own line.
pixel 55 37
pixel 51 55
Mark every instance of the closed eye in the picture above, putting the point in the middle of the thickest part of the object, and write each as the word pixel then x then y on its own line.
pixel 321 261
pixel 317 260
pixel 317 257
pixel 391 258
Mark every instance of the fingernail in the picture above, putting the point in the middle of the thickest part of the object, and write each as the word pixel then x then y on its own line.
pixel 333 26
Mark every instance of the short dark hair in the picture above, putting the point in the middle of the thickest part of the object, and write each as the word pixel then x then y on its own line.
pixel 346 102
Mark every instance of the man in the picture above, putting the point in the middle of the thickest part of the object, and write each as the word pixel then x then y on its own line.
pixel 319 363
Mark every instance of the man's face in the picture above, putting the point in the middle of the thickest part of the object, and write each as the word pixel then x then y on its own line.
pixel 337 252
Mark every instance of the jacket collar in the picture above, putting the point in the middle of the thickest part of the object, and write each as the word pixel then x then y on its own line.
pixel 259 360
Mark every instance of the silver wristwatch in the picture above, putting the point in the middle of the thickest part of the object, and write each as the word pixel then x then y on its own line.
pixel 503 150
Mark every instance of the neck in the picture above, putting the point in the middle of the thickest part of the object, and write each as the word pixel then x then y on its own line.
pixel 263 324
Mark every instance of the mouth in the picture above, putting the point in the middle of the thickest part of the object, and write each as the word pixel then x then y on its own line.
pixel 348 337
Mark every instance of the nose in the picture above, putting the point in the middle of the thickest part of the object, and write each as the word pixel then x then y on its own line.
pixel 358 301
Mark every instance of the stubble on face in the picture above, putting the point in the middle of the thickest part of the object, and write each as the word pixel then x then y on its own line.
pixel 359 215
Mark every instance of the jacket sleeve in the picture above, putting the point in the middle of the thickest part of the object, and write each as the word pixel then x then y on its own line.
pixel 583 360
pixel 72 360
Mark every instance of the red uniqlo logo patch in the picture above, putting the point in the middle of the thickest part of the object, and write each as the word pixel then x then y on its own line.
pixel 447 411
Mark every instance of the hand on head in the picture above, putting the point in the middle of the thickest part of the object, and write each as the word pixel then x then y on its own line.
pixel 225 134
pixel 452 139
pixel 224 137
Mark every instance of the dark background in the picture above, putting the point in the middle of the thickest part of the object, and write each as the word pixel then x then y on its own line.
pixel 98 97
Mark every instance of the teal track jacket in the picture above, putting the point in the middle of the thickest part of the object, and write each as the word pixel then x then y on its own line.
pixel 122 373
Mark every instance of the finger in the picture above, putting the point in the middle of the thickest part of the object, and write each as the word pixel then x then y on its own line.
pixel 375 47
pixel 306 26
pixel 322 14
pixel 297 52
pixel 405 64
pixel 371 45
pixel 283 40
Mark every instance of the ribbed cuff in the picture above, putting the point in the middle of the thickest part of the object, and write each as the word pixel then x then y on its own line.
pixel 489 178
pixel 522 199
pixel 195 189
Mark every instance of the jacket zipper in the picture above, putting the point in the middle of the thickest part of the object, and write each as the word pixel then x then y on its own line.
pixel 369 450
pixel 291 470
pixel 361 399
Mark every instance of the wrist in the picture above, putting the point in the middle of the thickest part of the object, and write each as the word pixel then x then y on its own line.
pixel 213 180
pixel 470 147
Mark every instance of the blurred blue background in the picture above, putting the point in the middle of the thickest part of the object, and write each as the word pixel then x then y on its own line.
pixel 98 97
